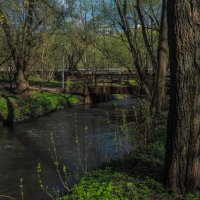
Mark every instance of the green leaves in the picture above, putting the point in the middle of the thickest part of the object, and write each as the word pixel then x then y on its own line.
pixel 111 185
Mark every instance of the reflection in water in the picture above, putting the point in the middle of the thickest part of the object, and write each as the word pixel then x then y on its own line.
pixel 84 136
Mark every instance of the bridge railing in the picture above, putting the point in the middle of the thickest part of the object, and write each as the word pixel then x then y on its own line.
pixel 103 79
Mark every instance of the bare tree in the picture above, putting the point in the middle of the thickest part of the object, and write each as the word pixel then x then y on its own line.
pixel 22 22
pixel 143 13
pixel 123 8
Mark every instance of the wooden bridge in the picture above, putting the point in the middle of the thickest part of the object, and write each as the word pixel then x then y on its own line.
pixel 102 83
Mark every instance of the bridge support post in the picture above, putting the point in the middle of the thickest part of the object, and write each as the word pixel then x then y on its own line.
pixel 120 82
pixel 67 85
pixel 87 99
pixel 85 92
pixel 104 89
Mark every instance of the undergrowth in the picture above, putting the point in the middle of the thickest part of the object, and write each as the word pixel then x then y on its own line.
pixel 136 177
pixel 108 184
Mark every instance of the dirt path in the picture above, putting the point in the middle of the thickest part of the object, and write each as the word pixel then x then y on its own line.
pixel 38 88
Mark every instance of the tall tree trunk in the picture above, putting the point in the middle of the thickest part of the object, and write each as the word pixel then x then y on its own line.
pixel 182 159
pixel 160 84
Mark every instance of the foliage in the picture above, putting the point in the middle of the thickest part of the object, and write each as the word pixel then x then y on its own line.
pixel 108 184
pixel 118 56
pixel 22 38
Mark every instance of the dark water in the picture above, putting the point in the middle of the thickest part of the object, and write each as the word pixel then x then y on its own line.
pixel 85 136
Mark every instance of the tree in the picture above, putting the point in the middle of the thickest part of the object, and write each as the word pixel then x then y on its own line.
pixel 22 22
pixel 48 56
pixel 20 61
pixel 118 56
pixel 182 160
pixel 75 48
pixel 129 23
pixel 144 14
pixel 162 57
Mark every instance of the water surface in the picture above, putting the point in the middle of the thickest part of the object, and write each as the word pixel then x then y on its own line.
pixel 84 136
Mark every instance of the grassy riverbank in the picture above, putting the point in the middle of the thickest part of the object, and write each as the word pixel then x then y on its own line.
pixel 15 108
pixel 138 177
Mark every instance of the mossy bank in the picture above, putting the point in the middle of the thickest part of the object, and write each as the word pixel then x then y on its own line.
pixel 15 108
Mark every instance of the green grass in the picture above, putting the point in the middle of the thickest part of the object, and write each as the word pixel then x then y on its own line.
pixel 14 108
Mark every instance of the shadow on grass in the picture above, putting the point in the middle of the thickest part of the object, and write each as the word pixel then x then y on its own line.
pixel 138 165
pixel 10 118
pixel 10 111
pixel 144 162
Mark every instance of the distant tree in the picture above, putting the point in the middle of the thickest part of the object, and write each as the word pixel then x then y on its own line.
pixel 118 56
pixel 48 56
pixel 22 23
pixel 182 159
pixel 133 20
pixel 140 18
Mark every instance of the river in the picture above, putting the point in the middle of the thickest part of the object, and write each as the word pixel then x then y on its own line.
pixel 84 137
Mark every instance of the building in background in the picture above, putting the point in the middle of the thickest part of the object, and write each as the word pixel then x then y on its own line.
pixel 105 29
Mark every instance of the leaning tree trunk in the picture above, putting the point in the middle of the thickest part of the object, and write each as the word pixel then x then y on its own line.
pixel 182 160
pixel 160 84
pixel 21 81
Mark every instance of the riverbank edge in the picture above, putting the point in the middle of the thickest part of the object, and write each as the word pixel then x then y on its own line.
pixel 137 176
pixel 17 109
